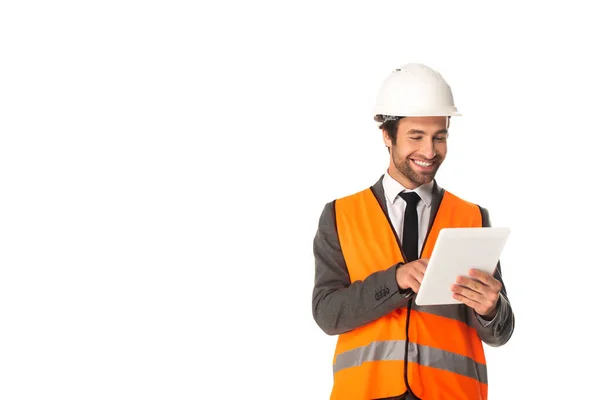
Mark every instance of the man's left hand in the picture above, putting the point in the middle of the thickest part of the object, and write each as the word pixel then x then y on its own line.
pixel 480 292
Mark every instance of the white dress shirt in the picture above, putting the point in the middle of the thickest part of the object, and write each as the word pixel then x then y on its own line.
pixel 396 206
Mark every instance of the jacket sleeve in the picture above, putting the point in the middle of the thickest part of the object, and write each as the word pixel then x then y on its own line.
pixel 499 330
pixel 338 305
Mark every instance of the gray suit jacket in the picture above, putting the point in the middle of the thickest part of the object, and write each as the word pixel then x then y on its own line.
pixel 340 306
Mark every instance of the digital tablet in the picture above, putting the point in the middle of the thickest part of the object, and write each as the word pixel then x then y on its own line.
pixel 456 251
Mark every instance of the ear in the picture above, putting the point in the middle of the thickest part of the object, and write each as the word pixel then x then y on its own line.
pixel 386 139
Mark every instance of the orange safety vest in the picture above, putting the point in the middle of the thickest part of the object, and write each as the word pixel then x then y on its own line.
pixel 445 354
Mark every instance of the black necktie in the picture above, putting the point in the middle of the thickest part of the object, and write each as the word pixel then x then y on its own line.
pixel 410 230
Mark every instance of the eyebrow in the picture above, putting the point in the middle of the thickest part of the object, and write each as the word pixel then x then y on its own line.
pixel 419 132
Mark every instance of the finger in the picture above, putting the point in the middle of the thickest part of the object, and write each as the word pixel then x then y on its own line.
pixel 486 297
pixel 414 284
pixel 486 278
pixel 468 293
pixel 421 266
pixel 483 307
pixel 467 301
pixel 479 286
pixel 408 281
pixel 418 275
pixel 473 284
pixel 494 288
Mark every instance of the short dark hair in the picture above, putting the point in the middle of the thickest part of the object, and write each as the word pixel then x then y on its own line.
pixel 391 127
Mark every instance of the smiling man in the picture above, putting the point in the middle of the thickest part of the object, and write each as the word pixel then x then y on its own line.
pixel 371 252
pixel 421 151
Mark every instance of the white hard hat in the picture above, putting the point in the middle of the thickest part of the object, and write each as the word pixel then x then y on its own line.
pixel 414 90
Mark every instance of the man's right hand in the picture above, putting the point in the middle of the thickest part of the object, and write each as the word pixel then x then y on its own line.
pixel 411 275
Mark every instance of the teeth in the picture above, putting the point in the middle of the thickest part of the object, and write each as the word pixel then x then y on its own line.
pixel 422 163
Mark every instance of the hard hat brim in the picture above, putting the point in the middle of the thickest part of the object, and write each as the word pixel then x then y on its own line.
pixel 380 118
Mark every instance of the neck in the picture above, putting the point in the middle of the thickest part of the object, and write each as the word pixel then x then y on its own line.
pixel 403 180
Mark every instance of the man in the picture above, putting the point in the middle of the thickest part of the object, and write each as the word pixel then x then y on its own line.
pixel 371 252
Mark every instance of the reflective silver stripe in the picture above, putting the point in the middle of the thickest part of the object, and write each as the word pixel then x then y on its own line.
pixel 423 355
pixel 375 351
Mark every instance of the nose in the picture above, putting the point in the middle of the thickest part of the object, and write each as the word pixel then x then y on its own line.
pixel 428 149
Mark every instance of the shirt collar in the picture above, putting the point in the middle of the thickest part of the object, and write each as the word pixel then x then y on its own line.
pixel 392 188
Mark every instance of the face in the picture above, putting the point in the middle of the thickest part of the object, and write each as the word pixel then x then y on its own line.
pixel 419 151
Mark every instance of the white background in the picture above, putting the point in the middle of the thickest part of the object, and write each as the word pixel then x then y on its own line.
pixel 163 166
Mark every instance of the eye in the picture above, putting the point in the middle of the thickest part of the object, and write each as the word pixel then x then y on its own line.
pixel 441 138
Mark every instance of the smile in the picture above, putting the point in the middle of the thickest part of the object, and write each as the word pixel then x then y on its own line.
pixel 423 163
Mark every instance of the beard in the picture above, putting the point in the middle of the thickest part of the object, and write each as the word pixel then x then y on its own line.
pixel 417 177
